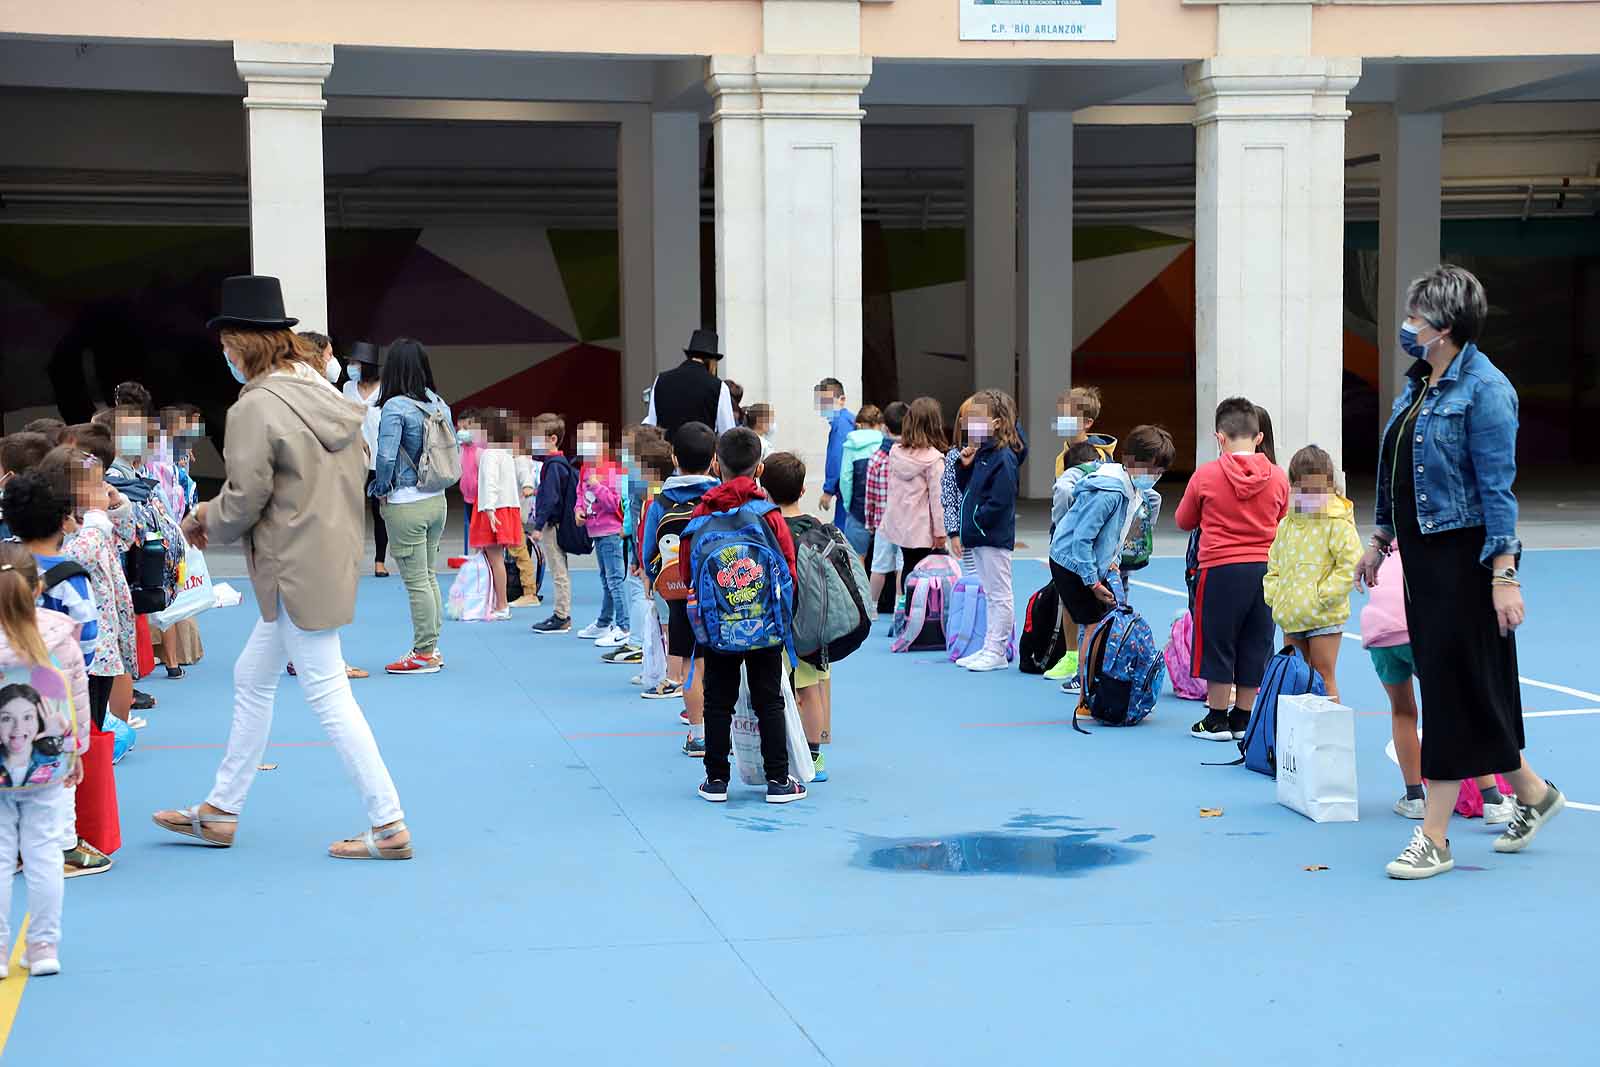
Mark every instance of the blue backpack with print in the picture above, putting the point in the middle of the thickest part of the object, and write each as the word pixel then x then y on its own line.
pixel 741 594
pixel 1287 674
pixel 1122 670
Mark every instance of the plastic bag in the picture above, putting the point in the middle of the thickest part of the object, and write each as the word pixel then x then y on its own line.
pixel 747 738
pixel 471 592
pixel 195 592
pixel 654 668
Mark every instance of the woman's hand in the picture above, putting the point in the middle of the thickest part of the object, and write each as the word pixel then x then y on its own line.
pixel 1508 609
pixel 1367 569
pixel 1104 595
pixel 194 527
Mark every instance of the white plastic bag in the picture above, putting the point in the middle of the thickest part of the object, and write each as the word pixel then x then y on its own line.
pixel 747 738
pixel 472 591
pixel 654 667
pixel 195 596
pixel 1317 758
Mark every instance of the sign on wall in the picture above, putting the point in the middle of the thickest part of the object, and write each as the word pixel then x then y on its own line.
pixel 1038 20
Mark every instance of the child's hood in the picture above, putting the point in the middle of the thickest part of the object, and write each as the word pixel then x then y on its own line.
pixel 682 488
pixel 864 440
pixel 1247 472
pixel 729 495
pixel 907 464
pixel 1109 477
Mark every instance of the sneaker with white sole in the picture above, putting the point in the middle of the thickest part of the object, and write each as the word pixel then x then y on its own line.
pixel 1501 813
pixel 1073 687
pixel 968 658
pixel 593 632
pixel 785 792
pixel 623 655
pixel 637 679
pixel 664 691
pixel 1411 808
pixel 716 791
pixel 1421 858
pixel 1214 727
pixel 555 624
pixel 683 717
pixel 616 637
pixel 1063 668
pixel 988 661
pixel 1529 820
pixel 1238 723
pixel 694 747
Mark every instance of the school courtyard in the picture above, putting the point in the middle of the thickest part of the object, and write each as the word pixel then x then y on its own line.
pixel 977 881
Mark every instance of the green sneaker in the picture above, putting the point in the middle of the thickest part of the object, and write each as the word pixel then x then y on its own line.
pixel 84 859
pixel 1065 667
pixel 819 767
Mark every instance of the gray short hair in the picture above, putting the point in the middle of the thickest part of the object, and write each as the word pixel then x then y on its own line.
pixel 1450 298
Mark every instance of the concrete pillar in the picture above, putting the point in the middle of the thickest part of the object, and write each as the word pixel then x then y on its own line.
pixel 1045 287
pixel 675 150
pixel 992 252
pixel 288 219
pixel 788 231
pixel 1269 241
pixel 636 260
pixel 1408 233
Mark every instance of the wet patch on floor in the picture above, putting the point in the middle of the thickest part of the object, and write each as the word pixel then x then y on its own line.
pixel 1060 856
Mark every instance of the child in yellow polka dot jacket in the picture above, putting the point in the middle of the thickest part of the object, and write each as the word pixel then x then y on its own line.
pixel 1312 566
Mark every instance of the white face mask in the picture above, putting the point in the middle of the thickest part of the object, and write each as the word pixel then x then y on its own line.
pixel 588 449
pixel 331 370
pixel 1068 426
pixel 978 430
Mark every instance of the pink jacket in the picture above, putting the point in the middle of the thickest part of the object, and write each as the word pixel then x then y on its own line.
pixel 602 501
pixel 469 472
pixel 1383 620
pixel 913 515
pixel 61 638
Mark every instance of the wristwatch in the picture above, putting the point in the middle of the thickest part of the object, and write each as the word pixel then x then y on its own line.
pixel 1504 574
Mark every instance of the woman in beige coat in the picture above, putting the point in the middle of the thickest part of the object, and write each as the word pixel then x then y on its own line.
pixel 913 517
pixel 296 469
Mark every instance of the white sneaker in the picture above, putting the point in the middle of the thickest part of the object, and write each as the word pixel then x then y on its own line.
pixel 615 637
pixel 1421 859
pixel 637 679
pixel 987 661
pixel 500 616
pixel 1408 808
pixel 593 631
pixel 1501 813
pixel 966 660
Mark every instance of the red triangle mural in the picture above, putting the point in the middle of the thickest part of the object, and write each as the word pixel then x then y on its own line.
pixel 581 384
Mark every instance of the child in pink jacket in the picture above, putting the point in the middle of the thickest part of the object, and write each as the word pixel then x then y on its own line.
pixel 913 516
pixel 599 511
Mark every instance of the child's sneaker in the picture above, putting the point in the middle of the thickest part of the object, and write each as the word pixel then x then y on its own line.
pixel 819 768
pixel 637 679
pixel 716 791
pixel 784 792
pixel 616 637
pixel 83 859
pixel 694 749
pixel 593 632
pixel 414 664
pixel 1501 813
pixel 988 660
pixel 1238 723
pixel 1421 859
pixel 1529 820
pixel 1064 668
pixel 1412 808
pixel 503 615
pixel 968 658
pixel 1214 727
pixel 666 690
pixel 555 624
pixel 1073 687
pixel 40 961
pixel 624 655
pixel 683 717
pixel 527 600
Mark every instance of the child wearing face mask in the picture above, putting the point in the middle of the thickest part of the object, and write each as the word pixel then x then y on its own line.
pixel 1312 565
pixel 601 488
pixel 1077 410
pixel 497 513
pixel 987 478
pixel 469 435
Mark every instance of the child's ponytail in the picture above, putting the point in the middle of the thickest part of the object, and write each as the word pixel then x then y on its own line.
pixel 19 584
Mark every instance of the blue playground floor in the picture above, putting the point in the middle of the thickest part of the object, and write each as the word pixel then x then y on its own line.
pixel 572 901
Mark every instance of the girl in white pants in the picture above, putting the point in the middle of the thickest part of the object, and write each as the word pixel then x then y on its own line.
pixel 44 730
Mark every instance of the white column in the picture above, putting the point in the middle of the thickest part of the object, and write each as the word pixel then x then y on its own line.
pixel 288 217
pixel 1408 233
pixel 1045 288
pixel 788 231
pixel 635 239
pixel 992 252
pixel 675 174
pixel 1269 241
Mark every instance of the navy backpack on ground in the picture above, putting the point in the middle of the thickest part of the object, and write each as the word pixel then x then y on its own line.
pixel 1287 674
pixel 1122 671
pixel 741 594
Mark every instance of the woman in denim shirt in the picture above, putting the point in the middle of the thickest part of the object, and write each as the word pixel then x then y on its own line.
pixel 415 519
pixel 1446 466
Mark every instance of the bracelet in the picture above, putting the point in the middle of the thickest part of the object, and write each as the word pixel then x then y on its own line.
pixel 1506 581
pixel 1380 545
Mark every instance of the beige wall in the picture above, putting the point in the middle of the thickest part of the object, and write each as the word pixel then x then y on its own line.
pixel 1149 29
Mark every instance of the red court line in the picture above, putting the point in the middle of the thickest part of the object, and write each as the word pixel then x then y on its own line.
pixel 273 744
pixel 1007 725
pixel 636 733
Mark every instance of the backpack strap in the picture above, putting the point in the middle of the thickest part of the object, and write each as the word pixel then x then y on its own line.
pixel 1089 669
pixel 61 572
pixel 916 615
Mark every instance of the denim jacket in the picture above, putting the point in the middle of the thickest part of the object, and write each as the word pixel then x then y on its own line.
pixel 1464 449
pixel 401 427
pixel 1088 539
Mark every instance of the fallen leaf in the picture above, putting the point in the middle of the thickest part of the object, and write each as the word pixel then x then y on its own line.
pixel 1210 813
pixel 1316 867
pixel 266 766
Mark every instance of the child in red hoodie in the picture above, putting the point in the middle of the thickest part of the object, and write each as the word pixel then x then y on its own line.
pixel 1237 501
pixel 739 465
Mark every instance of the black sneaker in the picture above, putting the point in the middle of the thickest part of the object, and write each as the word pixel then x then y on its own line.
pixel 715 791
pixel 695 748
pixel 624 655
pixel 1214 727
pixel 785 792
pixel 1238 723
pixel 143 701
pixel 555 624
pixel 174 673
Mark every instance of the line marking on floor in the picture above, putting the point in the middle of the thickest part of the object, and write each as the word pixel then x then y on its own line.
pixel 1583 807
pixel 1551 686
pixel 630 733
pixel 189 748
pixel 1001 725
pixel 12 987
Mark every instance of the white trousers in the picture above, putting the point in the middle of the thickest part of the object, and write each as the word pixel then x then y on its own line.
pixel 319 664
pixel 994 571
pixel 30 826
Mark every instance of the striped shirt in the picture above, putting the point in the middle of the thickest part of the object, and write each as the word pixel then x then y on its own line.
pixel 74 599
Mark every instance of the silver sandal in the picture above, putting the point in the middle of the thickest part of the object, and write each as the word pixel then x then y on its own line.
pixel 197 826
pixel 376 851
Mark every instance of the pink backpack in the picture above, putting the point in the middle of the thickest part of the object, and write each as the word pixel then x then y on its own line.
pixel 1178 654
pixel 1470 802
pixel 920 617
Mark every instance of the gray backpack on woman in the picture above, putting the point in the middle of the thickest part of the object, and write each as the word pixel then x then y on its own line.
pixel 440 464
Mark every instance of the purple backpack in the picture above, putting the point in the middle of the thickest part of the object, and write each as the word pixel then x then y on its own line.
pixel 967 621
pixel 1179 656
pixel 920 617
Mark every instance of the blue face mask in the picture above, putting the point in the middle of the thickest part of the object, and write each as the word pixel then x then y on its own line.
pixel 1142 482
pixel 130 444
pixel 238 375
pixel 1414 348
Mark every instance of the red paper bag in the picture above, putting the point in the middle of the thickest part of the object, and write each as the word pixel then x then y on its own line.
pixel 98 822
pixel 147 648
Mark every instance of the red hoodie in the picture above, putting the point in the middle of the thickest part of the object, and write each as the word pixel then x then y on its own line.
pixel 1237 501
pixel 726 497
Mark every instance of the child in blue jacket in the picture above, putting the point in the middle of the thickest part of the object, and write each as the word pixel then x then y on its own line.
pixel 987 479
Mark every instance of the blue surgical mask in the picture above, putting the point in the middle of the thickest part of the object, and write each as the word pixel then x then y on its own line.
pixel 463 437
pixel 1411 345
pixel 1142 482
pixel 238 375
pixel 130 444
pixel 1068 426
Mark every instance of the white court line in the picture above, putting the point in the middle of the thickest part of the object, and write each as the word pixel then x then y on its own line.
pixel 1559 714
pixel 1583 807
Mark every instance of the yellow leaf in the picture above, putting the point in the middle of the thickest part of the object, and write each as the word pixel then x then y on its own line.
pixel 1210 813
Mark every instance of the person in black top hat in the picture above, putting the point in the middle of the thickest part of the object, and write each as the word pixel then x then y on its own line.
pixel 692 392
pixel 364 387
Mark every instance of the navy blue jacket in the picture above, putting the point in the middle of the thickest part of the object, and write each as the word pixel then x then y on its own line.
pixel 989 497
pixel 554 477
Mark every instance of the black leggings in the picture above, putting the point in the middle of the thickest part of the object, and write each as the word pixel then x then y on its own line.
pixel 911 557
pixel 99 699
pixel 380 532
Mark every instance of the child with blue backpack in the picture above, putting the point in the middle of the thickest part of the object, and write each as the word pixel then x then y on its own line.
pixel 1086 547
pixel 737 558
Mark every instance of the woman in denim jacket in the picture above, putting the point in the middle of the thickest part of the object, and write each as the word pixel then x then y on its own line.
pixel 1446 466
pixel 415 519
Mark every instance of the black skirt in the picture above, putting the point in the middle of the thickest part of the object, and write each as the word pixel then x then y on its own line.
pixel 1471 699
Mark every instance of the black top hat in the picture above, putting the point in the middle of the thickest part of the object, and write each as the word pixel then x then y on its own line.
pixel 252 301
pixel 704 344
pixel 364 352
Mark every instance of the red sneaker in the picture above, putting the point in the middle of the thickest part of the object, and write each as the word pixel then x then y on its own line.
pixel 414 664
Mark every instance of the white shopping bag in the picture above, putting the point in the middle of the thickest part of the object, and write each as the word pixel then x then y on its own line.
pixel 747 738
pixel 471 592
pixel 1317 758
pixel 654 667
pixel 195 593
